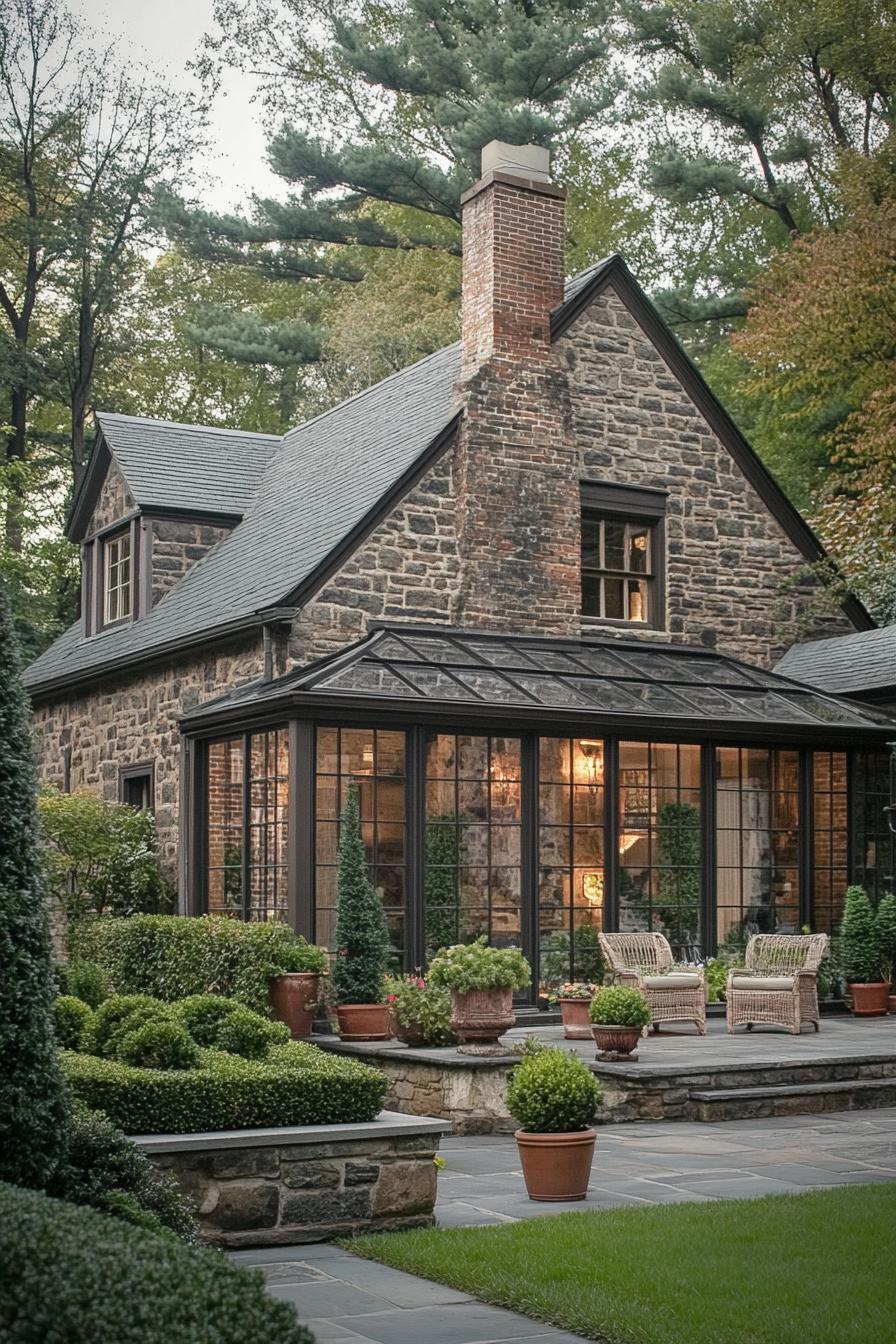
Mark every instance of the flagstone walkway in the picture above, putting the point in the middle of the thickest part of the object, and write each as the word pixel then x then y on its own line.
pixel 346 1300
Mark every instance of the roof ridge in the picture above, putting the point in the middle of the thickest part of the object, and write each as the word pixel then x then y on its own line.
pixel 180 424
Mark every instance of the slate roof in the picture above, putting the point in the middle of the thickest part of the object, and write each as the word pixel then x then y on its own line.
pixel 188 467
pixel 432 669
pixel 847 664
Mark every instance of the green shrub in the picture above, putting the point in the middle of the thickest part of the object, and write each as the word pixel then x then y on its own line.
pixel 246 1033
pixel 74 1276
pixel 295 1084
pixel 32 1099
pixel 176 957
pixel 101 857
pixel 619 1006
pixel 468 966
pixel 119 1015
pixel 107 1170
pixel 422 1007
pixel 553 1092
pixel 860 949
pixel 70 1017
pixel 84 980
pixel 202 1015
pixel 716 974
pixel 157 1044
pixel 362 936
pixel 885 930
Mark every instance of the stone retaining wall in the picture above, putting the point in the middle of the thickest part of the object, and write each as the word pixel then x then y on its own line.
pixel 274 1187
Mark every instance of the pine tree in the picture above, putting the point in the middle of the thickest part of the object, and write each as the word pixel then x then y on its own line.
pixel 32 1099
pixel 362 936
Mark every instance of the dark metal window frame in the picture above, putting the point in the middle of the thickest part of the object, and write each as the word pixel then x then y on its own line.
pixel 626 504
pixel 93 578
pixel 140 770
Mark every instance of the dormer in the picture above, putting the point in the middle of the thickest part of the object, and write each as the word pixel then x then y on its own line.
pixel 156 498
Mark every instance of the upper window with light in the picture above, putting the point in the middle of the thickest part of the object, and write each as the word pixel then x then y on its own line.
pixel 117 603
pixel 622 555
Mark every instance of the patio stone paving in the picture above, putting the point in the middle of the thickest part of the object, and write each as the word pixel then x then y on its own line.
pixel 346 1300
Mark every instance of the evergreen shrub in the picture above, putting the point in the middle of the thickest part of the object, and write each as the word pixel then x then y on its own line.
pixel 553 1092
pixel 295 1084
pixel 157 1044
pixel 84 980
pixel 619 1006
pixel 70 1018
pixel 75 1276
pixel 177 956
pixel 362 936
pixel 203 1014
pixel 861 954
pixel 469 966
pixel 248 1034
pixel 116 1018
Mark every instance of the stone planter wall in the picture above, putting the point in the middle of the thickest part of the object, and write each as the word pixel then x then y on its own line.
pixel 272 1187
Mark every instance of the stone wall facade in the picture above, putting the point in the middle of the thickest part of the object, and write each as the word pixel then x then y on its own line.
pixel 114 501
pixel 281 1190
pixel 175 547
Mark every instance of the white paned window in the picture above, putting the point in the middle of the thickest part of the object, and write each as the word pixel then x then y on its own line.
pixel 117 578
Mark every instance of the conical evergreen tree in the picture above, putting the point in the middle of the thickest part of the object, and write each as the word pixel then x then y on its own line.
pixel 32 1097
pixel 362 936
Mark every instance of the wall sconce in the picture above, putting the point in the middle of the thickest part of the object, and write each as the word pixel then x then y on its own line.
pixel 590 765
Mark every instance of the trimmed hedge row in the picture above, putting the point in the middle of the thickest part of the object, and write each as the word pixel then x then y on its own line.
pixel 295 1084
pixel 174 957
pixel 72 1275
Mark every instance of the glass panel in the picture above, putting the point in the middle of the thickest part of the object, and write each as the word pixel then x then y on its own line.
pixel 614 545
pixel 874 846
pixel 224 809
pixel 614 598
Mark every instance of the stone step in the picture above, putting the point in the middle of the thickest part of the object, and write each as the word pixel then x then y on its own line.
pixel 754 1103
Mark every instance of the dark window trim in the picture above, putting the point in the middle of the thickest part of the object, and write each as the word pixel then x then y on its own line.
pixel 632 504
pixel 93 577
pixel 137 771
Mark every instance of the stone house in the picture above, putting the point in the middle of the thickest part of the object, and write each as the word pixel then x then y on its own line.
pixel 525 594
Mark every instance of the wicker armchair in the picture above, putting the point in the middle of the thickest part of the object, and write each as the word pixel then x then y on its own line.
pixel 779 985
pixel 643 961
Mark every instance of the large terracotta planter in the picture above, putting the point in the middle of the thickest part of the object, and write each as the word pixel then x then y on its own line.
pixel 616 1042
pixel 556 1166
pixel 892 1002
pixel 576 1022
pixel 294 998
pixel 479 1018
pixel 364 1021
pixel 872 1000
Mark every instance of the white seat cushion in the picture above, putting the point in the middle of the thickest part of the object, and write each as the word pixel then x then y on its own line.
pixel 763 982
pixel 678 980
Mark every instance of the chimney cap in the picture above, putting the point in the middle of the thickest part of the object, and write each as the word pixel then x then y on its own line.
pixel 531 161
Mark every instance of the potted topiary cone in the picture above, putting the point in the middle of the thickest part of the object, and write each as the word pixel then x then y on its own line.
pixel 482 980
pixel 618 1016
pixel 885 928
pixel 554 1096
pixel 862 956
pixel 295 991
pixel 362 938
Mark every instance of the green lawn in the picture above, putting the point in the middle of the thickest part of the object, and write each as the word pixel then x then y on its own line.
pixel 818 1268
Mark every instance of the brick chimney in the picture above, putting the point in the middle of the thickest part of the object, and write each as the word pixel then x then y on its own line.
pixel 513 241
pixel 517 477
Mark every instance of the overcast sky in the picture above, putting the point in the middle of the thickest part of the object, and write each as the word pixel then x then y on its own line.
pixel 166 34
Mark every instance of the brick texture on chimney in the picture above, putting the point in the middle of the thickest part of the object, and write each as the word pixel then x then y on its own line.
pixel 516 454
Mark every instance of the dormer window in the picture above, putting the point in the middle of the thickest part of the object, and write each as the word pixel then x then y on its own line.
pixel 117 578
pixel 622 555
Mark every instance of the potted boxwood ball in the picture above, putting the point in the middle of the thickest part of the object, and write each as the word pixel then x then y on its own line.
pixel 294 993
pixel 574 999
pixel 553 1096
pixel 863 956
pixel 618 1016
pixel 362 938
pixel 481 980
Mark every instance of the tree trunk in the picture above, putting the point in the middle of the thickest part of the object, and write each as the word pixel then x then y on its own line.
pixel 15 453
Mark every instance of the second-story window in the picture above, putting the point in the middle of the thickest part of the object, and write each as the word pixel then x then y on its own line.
pixel 623 554
pixel 117 578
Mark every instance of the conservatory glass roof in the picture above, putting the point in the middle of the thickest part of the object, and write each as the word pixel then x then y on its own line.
pixel 617 678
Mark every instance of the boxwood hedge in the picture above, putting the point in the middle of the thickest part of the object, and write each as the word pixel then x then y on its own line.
pixel 173 956
pixel 295 1084
pixel 71 1275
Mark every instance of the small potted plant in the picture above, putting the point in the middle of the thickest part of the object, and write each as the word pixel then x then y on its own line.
pixel 481 980
pixel 362 939
pixel 618 1016
pixel 574 999
pixel 421 1012
pixel 863 957
pixel 294 993
pixel 553 1096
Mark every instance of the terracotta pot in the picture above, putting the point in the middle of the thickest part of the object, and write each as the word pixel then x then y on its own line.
pixel 616 1042
pixel 576 1022
pixel 556 1166
pixel 410 1034
pixel 294 998
pixel 892 1002
pixel 480 1017
pixel 364 1021
pixel 870 1000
